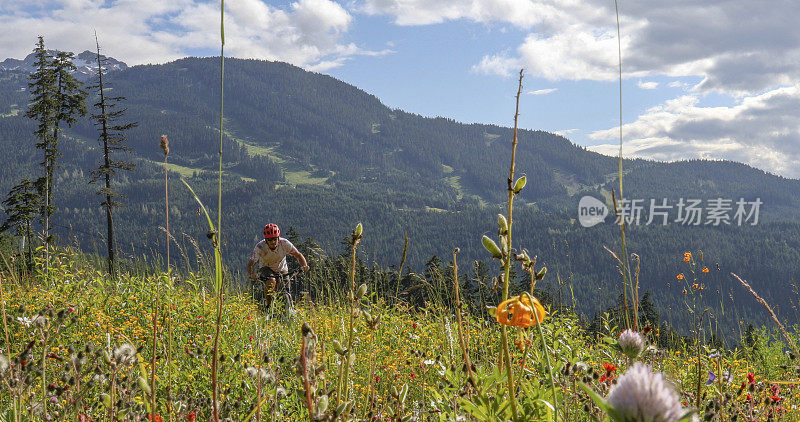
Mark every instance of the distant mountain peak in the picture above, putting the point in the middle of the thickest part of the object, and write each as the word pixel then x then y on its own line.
pixel 86 64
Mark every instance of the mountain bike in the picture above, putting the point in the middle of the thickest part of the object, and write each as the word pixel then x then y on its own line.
pixel 275 297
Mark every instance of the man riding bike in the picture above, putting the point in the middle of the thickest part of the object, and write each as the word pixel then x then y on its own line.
pixel 270 255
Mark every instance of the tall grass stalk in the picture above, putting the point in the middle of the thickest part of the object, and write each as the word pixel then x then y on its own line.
pixel 400 270
pixel 355 238
pixel 766 306
pixel 625 270
pixel 165 147
pixel 507 258
pixel 461 341
pixel 218 233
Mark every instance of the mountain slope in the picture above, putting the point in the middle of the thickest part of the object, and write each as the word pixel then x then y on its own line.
pixel 308 151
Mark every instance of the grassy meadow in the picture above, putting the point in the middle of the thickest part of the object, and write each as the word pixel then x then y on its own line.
pixel 81 346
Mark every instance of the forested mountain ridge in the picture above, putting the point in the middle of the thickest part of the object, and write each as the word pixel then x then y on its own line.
pixel 306 150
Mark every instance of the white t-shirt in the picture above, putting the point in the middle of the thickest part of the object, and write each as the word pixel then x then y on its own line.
pixel 276 260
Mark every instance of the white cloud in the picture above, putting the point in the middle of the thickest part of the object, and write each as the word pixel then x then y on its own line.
pixel 307 33
pixel 565 132
pixel 647 85
pixel 426 12
pixel 736 46
pixel 543 91
pixel 760 130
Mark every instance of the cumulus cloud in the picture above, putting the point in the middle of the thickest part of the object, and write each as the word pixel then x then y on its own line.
pixel 736 46
pixel 306 33
pixel 761 130
pixel 647 85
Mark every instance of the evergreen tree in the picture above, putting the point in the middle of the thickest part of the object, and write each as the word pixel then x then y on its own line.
pixel 112 138
pixel 57 97
pixel 43 109
pixel 22 205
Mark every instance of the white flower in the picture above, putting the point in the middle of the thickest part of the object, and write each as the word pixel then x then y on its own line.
pixel 643 396
pixel 260 374
pixel 24 321
pixel 631 343
pixel 125 354
pixel 4 364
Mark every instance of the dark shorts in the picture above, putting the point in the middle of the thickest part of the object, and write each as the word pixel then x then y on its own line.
pixel 264 274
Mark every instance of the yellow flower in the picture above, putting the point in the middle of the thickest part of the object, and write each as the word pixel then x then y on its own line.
pixel 680 277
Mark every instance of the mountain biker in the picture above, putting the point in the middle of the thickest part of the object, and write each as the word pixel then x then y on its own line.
pixel 270 256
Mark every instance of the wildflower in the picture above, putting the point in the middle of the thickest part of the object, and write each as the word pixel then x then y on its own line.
pixel 751 378
pixel 687 256
pixel 711 378
pixel 25 322
pixel 4 364
pixel 519 311
pixel 631 343
pixel 641 395
pixel 727 377
pixel 125 354
pixel 679 276
pixel 705 270
pixel 259 374
pixel 191 417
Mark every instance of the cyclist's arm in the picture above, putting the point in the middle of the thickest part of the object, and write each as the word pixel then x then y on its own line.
pixel 250 264
pixel 300 258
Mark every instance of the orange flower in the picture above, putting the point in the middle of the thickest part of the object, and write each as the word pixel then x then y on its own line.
pixel 680 277
pixel 687 256
pixel 705 269
pixel 695 286
pixel 519 311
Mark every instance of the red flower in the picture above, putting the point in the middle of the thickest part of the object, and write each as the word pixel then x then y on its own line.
pixel 776 398
pixel 609 367
pixel 191 417
pixel 157 418
pixel 751 378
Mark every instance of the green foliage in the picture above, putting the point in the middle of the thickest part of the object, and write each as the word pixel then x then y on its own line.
pixel 304 123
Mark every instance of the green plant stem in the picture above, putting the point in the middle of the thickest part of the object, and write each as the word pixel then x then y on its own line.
pixel 622 220
pixel 351 331
pixel 462 342
pixel 400 270
pixel 166 203
pixel 507 258
pixel 218 235
pixel 549 365
pixel 153 358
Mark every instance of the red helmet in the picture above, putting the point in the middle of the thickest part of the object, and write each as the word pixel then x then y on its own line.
pixel 271 230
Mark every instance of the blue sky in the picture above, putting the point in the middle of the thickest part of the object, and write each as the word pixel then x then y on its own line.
pixel 713 79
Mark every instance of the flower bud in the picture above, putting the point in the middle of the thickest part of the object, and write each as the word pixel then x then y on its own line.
pixel 520 184
pixel 362 290
pixel 165 144
pixel 338 347
pixel 502 224
pixel 351 360
pixel 541 273
pixel 322 404
pixel 359 229
pixel 491 247
pixel 143 385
